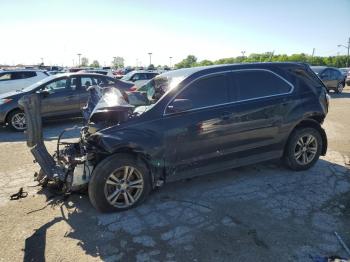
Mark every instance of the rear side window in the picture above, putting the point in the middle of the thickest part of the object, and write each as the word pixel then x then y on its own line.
pixel 5 76
pixel 22 75
pixel 252 84
pixel 29 74
pixel 205 92
pixel 150 76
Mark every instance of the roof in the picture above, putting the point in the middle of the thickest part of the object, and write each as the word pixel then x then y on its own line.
pixel 192 70
pixel 22 70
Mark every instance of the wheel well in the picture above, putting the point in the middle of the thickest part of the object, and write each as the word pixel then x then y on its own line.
pixel 314 122
pixel 139 156
pixel 10 112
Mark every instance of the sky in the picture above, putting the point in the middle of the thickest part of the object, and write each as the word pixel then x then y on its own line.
pixel 58 30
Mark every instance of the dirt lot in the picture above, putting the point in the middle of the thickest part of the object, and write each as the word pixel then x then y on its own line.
pixel 257 213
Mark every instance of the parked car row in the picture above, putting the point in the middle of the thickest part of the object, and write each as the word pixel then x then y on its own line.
pixel 62 95
pixel 11 80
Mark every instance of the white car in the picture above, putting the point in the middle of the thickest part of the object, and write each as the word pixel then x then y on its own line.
pixel 139 77
pixel 12 80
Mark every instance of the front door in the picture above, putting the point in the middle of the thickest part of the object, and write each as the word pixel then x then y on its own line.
pixel 193 137
pixel 61 97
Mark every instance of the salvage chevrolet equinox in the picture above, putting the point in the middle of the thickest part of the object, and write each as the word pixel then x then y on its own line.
pixel 196 121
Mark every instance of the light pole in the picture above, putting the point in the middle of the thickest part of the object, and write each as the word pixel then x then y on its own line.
pixel 79 58
pixel 114 61
pixel 170 57
pixel 150 58
pixel 42 60
pixel 347 47
pixel 243 52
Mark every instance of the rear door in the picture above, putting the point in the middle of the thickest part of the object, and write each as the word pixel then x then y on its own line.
pixel 259 102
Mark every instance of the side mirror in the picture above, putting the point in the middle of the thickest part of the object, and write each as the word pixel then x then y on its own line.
pixel 179 105
pixel 44 93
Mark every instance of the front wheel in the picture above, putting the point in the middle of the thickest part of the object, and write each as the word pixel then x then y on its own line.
pixel 303 148
pixel 16 120
pixel 118 183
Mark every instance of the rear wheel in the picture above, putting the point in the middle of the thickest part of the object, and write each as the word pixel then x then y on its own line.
pixel 118 183
pixel 303 148
pixel 16 120
pixel 339 88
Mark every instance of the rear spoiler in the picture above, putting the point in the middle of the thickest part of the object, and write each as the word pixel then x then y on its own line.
pixel 31 104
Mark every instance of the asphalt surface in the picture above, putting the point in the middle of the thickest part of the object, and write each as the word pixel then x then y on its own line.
pixel 257 213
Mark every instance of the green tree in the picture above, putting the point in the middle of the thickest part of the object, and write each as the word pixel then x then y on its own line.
pixel 189 61
pixel 84 61
pixel 95 64
pixel 205 63
pixel 118 62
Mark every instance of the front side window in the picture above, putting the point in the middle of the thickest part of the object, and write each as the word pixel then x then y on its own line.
pixel 56 86
pixel 104 81
pixel 206 92
pixel 5 76
pixel 250 84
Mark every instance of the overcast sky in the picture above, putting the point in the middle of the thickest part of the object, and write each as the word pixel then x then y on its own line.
pixel 58 30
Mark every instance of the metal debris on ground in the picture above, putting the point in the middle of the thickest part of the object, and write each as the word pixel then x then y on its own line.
pixel 20 194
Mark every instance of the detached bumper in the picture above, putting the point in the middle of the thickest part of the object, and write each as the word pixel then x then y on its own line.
pixel 31 104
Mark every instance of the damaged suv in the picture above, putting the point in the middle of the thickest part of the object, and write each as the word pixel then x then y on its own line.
pixel 196 121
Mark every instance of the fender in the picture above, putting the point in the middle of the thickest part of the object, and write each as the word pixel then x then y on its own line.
pixel 309 122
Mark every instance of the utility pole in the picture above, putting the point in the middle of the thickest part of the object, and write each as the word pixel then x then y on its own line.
pixel 348 48
pixel 150 58
pixel 271 55
pixel 170 57
pixel 312 56
pixel 79 58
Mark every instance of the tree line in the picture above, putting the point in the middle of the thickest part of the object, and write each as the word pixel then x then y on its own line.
pixel 334 61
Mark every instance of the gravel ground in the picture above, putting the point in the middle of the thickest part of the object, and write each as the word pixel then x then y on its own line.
pixel 257 213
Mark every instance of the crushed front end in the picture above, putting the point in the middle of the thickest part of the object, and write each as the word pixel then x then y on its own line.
pixel 72 164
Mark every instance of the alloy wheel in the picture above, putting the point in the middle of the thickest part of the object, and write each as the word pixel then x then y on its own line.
pixel 340 87
pixel 18 121
pixel 305 149
pixel 124 187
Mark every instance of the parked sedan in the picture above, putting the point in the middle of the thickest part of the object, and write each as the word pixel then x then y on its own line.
pixel 62 95
pixel 12 80
pixel 139 77
pixel 332 77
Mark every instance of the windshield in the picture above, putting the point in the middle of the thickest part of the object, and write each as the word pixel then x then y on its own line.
pixel 159 85
pixel 37 84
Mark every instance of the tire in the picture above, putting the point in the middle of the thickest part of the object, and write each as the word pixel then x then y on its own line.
pixel 112 170
pixel 16 120
pixel 292 157
pixel 339 88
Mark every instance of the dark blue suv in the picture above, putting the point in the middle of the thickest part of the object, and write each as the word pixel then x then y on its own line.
pixel 198 121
